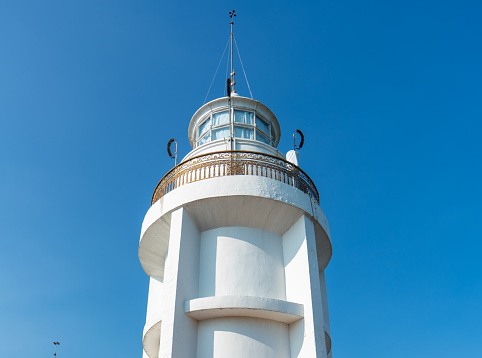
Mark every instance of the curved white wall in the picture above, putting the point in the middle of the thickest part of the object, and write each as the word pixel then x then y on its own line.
pixel 237 200
pixel 152 328
pixel 241 337
pixel 155 296
pixel 241 261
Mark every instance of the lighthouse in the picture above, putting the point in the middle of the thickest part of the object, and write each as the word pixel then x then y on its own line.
pixel 235 244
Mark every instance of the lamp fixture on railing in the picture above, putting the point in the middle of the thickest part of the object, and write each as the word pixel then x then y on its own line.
pixel 302 140
pixel 169 150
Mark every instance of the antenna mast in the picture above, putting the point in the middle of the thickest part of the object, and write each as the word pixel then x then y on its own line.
pixel 55 345
pixel 232 15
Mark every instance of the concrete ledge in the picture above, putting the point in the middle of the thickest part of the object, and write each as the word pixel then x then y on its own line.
pixel 237 200
pixel 243 306
pixel 151 339
pixel 328 343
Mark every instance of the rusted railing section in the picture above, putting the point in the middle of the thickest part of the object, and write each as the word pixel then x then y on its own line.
pixel 234 163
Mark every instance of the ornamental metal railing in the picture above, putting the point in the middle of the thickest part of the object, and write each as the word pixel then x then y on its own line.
pixel 227 163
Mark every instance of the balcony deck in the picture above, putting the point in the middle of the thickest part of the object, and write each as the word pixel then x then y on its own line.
pixel 227 163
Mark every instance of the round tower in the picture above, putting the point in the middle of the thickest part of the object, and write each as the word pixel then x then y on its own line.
pixel 236 244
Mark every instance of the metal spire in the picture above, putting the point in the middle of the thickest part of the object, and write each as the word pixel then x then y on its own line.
pixel 55 352
pixel 232 15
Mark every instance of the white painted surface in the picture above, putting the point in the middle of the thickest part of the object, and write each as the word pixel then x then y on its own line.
pixel 248 201
pixel 230 272
pixel 293 157
pixel 180 284
pixel 324 302
pixel 307 337
pixel 151 339
pixel 242 337
pixel 244 306
pixel 235 186
pixel 241 261
pixel 155 296
pixel 152 329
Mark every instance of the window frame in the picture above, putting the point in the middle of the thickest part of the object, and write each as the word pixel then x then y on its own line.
pixel 232 124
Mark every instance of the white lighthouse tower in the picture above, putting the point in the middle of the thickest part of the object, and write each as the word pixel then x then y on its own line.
pixel 235 245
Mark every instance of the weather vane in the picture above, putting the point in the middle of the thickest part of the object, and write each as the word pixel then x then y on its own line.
pixel 55 352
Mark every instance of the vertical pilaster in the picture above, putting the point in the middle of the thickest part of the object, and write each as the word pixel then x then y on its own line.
pixel 307 336
pixel 324 302
pixel 179 331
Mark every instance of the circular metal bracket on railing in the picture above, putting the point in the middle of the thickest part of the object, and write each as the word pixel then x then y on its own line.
pixel 233 162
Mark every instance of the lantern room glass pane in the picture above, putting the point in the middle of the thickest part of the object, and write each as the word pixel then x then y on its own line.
pixel 242 132
pixel 204 127
pixel 220 118
pixel 205 139
pixel 221 133
pixel 262 125
pixel 262 138
pixel 244 117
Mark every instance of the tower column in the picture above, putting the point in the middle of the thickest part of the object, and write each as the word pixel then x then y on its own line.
pixel 235 243
pixel 307 336
pixel 179 331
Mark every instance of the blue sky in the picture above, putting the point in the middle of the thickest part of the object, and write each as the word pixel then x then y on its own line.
pixel 388 95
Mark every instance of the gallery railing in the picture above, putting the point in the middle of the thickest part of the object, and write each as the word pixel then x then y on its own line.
pixel 220 164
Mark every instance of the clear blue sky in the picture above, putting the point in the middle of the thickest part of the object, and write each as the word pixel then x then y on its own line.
pixel 387 93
